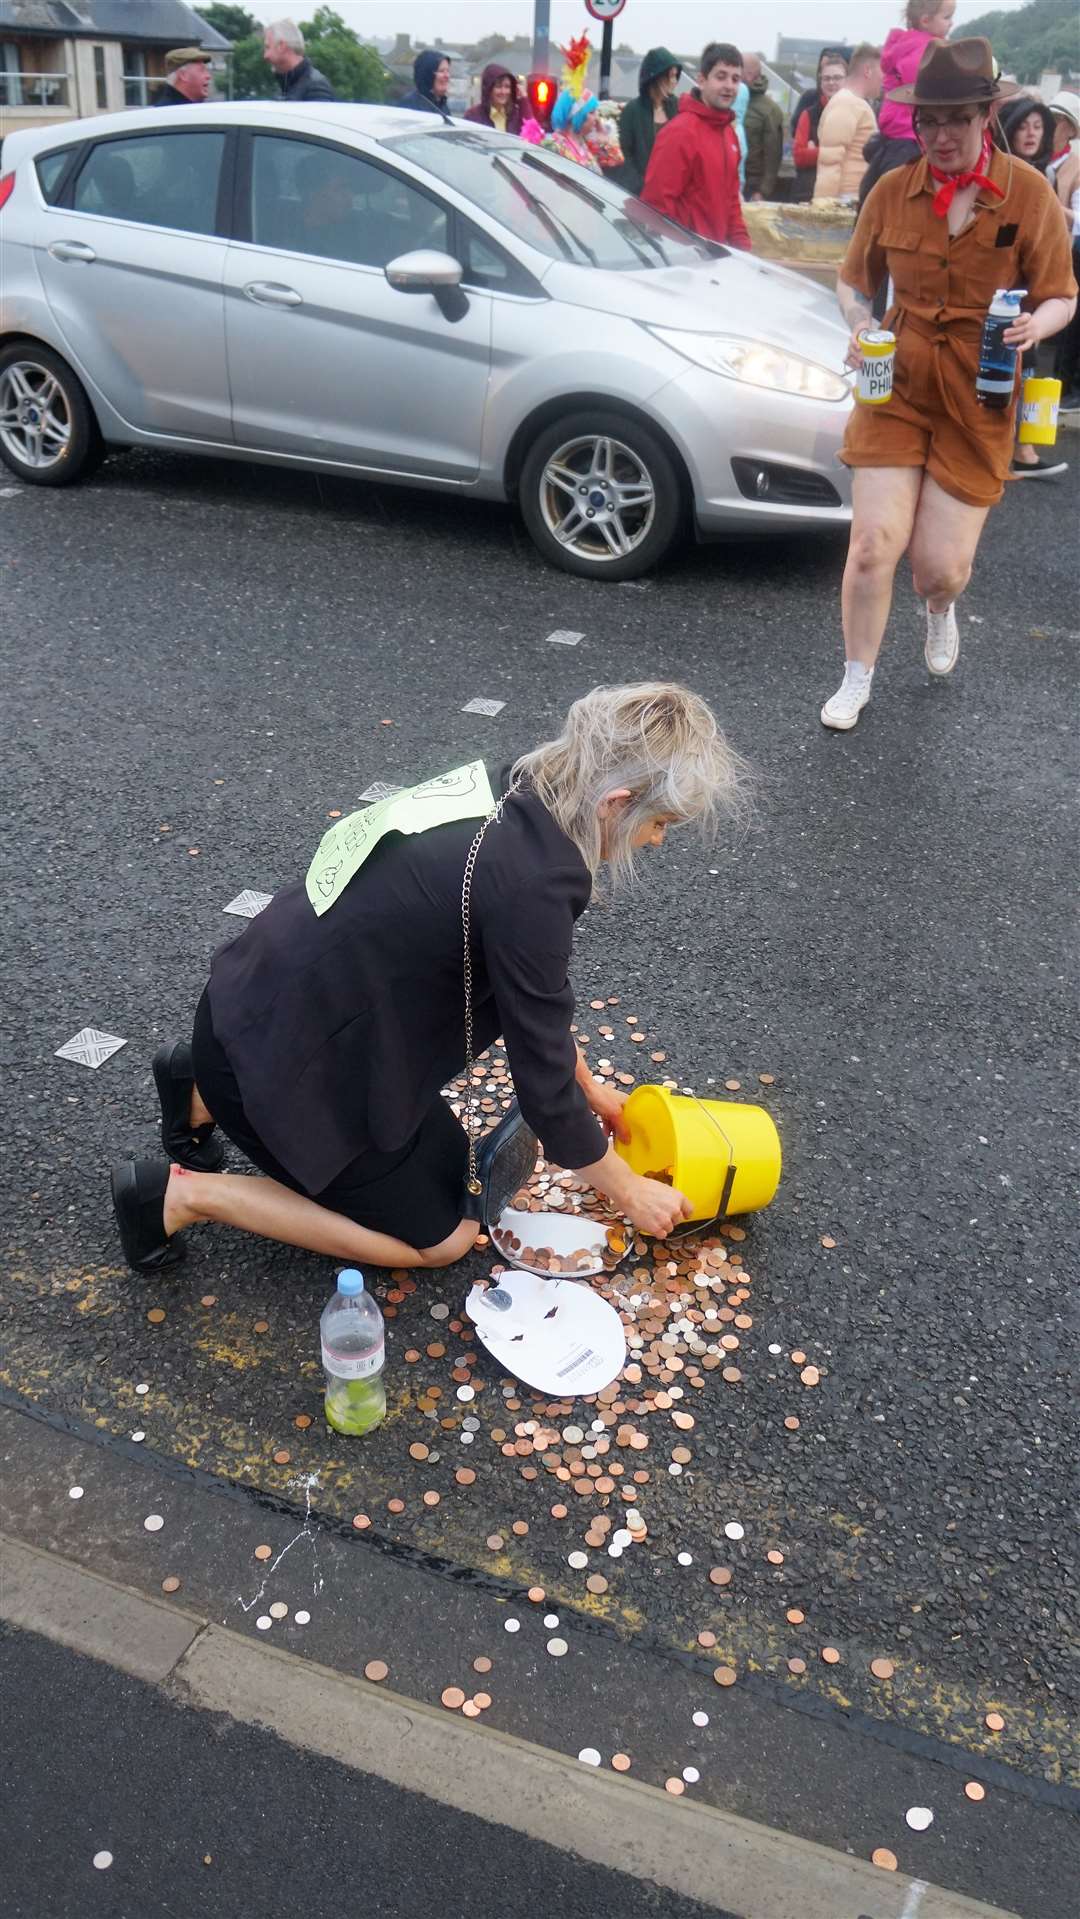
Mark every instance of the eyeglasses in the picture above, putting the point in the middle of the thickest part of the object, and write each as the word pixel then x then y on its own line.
pixel 957 123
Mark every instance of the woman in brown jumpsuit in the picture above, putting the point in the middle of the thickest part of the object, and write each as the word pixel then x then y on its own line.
pixel 949 229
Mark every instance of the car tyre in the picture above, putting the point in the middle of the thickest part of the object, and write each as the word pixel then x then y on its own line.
pixel 630 466
pixel 71 445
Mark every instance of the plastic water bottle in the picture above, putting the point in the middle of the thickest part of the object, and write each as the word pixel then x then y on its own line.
pixel 353 1355
pixel 996 376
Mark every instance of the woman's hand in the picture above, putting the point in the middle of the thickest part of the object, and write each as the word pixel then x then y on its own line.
pixel 854 355
pixel 1023 333
pixel 607 1103
pixel 654 1207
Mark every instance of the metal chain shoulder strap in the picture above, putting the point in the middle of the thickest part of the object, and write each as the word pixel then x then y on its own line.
pixel 472 1181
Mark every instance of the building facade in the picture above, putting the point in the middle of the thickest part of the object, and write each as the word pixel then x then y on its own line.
pixel 63 59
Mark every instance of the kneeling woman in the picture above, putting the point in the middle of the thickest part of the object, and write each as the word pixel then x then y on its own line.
pixel 949 229
pixel 325 1034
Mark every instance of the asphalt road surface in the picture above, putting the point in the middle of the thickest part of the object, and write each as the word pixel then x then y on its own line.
pixel 205 662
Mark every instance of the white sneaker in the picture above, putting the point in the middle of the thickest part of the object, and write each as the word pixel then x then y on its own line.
pixel 842 711
pixel 942 648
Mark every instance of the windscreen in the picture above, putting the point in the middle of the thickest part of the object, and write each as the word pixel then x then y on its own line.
pixel 552 204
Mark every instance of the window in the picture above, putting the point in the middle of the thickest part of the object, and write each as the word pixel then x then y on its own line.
pixel 100 82
pixel 487 266
pixel 161 179
pixel 11 93
pixel 136 87
pixel 307 198
pixel 51 168
pixel 559 208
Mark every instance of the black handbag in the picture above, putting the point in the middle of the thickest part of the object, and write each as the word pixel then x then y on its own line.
pixel 504 1159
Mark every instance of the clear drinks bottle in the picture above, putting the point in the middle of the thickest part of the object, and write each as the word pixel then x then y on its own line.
pixel 995 381
pixel 353 1355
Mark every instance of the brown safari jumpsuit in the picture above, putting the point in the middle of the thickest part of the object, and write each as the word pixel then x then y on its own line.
pixel 943 286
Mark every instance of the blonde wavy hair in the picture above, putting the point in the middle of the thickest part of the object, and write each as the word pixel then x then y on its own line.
pixel 657 739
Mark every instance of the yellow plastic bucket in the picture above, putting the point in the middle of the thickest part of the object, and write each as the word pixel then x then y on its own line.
pixel 1039 401
pixel 725 1156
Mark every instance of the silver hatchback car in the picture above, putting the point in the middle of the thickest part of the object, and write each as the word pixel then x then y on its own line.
pixel 362 290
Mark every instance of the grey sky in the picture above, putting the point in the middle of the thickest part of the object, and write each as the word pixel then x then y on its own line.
pixel 681 24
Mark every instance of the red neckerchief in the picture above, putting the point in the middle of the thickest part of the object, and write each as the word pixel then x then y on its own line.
pixel 949 184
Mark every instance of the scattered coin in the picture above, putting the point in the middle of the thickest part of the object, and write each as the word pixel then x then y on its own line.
pixel 282 1458
pixel 138 1437
pixel 620 1761
pixel 377 1669
pixel 881 1856
pixel 418 1451
pixel 882 1668
pixel 511 1625
pixel 264 1622
pixel 830 1655
pixel 263 1552
pixel 482 1700
pixel 261 1326
pixel 577 1560
pixel 537 1595
pixel 775 1558
pixel 791 1423
pixel 102 1860
pixel 596 1583
pixel 589 1756
pixel 725 1675
pixel 794 1617
pixel 810 1375
pixel 481 1663
pixel 558 1648
pixel 156 1315
pixel 796 1665
pixel 974 1790
pixel 995 1722
pixel 674 1786
pixel 720 1576
pixel 453 1698
pixel 153 1522
pixel 170 1585
pixel 691 1775
pixel 685 1559
pixel 301 1619
pixel 303 1421
pixel 75 1492
pixel 279 1610
pixel 733 1530
pixel 919 1818
pixel 361 1522
pixel 142 1389
pixel 208 1299
pixel 700 1718
pixel 495 1542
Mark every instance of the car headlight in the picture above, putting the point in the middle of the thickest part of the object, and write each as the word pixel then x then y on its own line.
pixel 756 364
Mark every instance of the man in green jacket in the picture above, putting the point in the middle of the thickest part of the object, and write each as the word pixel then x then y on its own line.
pixel 764 133
pixel 642 119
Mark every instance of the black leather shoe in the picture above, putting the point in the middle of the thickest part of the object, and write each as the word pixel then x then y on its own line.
pixel 193 1147
pixel 138 1196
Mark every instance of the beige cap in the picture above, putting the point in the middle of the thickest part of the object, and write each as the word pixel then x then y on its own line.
pixel 185 57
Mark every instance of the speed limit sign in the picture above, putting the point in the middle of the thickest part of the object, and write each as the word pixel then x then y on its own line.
pixel 604 9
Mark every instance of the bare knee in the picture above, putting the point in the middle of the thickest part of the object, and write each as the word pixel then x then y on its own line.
pixel 873 549
pixel 939 579
pixel 450 1250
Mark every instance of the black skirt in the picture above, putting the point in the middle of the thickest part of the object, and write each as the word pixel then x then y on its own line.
pixel 414 1194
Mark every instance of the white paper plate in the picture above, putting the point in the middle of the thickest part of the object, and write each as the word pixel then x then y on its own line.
pixel 562 1338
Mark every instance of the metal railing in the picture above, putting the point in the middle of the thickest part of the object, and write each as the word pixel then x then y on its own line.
pixel 33 89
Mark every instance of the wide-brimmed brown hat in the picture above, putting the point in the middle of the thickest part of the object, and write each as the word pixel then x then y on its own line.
pixel 955 73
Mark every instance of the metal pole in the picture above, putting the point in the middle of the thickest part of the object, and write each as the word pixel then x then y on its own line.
pixel 541 35
pixel 605 59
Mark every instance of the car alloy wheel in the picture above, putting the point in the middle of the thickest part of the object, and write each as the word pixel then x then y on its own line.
pixel 597 498
pixel 35 417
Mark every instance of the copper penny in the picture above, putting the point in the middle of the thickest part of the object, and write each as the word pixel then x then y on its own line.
pixel 775 1558
pixel 674 1786
pixel 882 1668
pixel 796 1665
pixel 261 1326
pixel 376 1669
pixel 361 1522
pixel 881 1856
pixel 282 1458
pixel 794 1617
pixel 974 1790
pixel 302 1421
pixel 418 1451
pixel 208 1299
pixel 621 1761
pixel 453 1698
pixel 395 1505
pixel 470 1709
pixel 596 1583
pixel 725 1675
pixel 720 1576
pixel 170 1585
pixel 156 1315
pixel 495 1542
pixel 830 1655
pixel 706 1639
pixel 263 1552
pixel 791 1423
pixel 537 1595
pixel 483 1700
pixel 995 1722
pixel 481 1663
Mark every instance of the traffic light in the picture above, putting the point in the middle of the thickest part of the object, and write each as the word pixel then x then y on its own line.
pixel 543 93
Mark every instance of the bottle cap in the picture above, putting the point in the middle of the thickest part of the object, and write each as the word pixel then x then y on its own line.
pixel 350 1282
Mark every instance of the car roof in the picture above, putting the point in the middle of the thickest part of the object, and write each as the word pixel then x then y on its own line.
pixel 315 116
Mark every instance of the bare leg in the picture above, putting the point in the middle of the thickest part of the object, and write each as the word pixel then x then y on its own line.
pixel 264 1206
pixel 943 542
pixel 884 503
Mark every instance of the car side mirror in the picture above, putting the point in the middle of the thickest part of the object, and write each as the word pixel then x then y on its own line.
pixel 424 272
pixel 428 271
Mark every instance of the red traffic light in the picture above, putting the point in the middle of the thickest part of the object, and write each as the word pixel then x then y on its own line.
pixel 543 93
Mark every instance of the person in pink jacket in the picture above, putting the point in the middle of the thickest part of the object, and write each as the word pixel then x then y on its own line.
pixel 894 144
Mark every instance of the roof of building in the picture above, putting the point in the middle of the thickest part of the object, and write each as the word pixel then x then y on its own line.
pixel 160 22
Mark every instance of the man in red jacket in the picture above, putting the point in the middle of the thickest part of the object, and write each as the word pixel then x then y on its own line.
pixel 693 173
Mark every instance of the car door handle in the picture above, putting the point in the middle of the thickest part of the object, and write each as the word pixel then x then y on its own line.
pixel 270 293
pixel 71 250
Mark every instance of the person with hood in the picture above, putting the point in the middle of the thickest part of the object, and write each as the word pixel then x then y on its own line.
pixel 500 103
pixel 431 84
pixel 693 171
pixel 831 74
pixel 642 119
pixel 764 133
pixel 1027 128
pixel 573 119
pixel 894 144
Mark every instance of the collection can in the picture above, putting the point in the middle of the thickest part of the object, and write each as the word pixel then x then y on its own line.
pixel 1039 402
pixel 876 369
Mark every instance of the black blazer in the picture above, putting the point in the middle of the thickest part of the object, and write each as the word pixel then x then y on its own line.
pixel 342 1030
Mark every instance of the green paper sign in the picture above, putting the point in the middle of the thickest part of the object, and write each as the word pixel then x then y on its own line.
pixel 463 794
